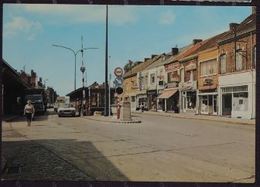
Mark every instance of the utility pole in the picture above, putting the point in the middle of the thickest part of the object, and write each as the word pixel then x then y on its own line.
pixel 106 68
pixel 82 69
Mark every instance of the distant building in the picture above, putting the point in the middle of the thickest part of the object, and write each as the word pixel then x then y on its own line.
pixel 94 98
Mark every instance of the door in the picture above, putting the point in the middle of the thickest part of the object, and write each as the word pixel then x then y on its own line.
pixel 204 101
pixel 226 104
pixel 215 109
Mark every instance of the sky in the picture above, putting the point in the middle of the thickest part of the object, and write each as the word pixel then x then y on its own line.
pixel 135 33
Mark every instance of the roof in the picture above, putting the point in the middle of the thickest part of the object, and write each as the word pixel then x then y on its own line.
pixel 14 73
pixel 246 26
pixel 159 61
pixel 140 67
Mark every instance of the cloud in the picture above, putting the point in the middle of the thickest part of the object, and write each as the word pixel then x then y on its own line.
pixel 19 25
pixel 167 18
pixel 84 14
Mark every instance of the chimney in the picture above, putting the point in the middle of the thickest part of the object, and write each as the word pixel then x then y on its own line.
pixel 195 41
pixel 175 51
pixel 232 26
pixel 33 74
pixel 253 9
pixel 153 56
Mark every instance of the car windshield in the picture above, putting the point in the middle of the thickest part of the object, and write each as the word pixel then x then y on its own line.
pixel 34 98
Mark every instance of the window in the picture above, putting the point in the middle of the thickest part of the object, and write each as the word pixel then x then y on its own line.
pixel 254 57
pixel 132 98
pixel 169 77
pixel 182 74
pixel 152 78
pixel 239 60
pixel 208 67
pixel 223 65
pixel 188 76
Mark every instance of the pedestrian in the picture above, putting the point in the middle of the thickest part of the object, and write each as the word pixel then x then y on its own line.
pixel 29 112
pixel 142 107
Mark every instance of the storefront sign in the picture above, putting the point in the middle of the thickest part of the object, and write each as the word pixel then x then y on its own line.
pixel 208 82
pixel 151 92
pixel 171 85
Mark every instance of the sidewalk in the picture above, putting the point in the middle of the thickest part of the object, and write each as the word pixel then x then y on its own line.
pixel 201 117
pixel 8 118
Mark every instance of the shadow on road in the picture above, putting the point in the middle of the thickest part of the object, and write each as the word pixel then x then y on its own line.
pixel 64 159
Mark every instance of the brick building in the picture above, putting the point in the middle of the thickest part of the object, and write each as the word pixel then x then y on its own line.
pixel 237 70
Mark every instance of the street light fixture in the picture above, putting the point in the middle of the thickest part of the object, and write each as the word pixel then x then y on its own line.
pixel 83 69
pixel 75 56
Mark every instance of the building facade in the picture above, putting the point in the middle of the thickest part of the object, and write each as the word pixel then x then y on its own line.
pixel 207 93
pixel 237 70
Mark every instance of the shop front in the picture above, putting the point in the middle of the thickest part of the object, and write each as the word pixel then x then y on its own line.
pixel 188 96
pixel 141 100
pixel 208 102
pixel 169 99
pixel 152 100
pixel 237 95
pixel 207 96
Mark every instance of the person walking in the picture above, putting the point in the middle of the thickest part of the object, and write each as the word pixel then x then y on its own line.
pixel 29 112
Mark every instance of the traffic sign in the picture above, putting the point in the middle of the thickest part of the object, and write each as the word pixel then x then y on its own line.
pixel 118 71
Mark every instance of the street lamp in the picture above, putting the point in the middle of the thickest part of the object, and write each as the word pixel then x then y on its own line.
pixel 83 69
pixel 75 55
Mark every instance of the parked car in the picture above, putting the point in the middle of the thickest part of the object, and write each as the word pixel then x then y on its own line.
pixel 67 111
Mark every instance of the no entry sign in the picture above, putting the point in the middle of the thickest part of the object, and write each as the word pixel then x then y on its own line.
pixel 118 72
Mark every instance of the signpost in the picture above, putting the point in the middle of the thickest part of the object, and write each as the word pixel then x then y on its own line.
pixel 118 82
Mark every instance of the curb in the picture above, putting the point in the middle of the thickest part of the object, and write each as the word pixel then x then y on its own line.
pixel 107 121
pixel 3 163
pixel 184 117
pixel 10 118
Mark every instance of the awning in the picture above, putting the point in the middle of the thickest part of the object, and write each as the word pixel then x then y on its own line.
pixel 167 93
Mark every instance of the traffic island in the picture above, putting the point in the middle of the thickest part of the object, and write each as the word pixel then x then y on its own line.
pixel 111 119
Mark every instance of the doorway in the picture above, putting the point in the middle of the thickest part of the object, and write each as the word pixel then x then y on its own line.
pixel 226 104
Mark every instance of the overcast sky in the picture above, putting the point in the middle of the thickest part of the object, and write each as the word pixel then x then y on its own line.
pixel 135 32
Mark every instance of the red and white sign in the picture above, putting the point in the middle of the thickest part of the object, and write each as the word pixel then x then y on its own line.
pixel 118 72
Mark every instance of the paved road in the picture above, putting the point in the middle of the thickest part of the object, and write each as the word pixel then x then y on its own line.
pixel 158 149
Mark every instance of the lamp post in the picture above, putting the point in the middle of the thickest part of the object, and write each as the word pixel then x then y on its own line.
pixel 75 56
pixel 83 69
pixel 106 111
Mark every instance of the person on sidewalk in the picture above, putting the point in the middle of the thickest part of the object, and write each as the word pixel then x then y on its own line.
pixel 29 112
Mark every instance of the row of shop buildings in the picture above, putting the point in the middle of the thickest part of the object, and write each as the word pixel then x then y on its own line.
pixel 15 85
pixel 215 76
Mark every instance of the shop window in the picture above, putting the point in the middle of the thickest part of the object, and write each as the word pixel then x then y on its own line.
pixel 240 101
pixel 223 65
